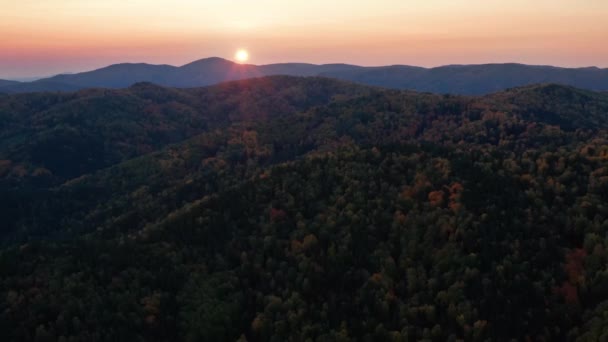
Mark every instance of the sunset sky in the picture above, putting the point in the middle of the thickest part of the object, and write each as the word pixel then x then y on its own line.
pixel 45 37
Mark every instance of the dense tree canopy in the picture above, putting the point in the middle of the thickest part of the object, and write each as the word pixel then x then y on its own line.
pixel 282 209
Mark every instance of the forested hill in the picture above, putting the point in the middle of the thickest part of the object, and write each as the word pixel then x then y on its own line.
pixel 285 208
pixel 452 79
pixel 52 137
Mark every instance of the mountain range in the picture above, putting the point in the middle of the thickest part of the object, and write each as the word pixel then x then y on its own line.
pixel 453 79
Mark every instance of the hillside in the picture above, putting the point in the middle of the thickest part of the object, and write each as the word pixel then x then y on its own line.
pixel 59 136
pixel 287 208
pixel 6 82
pixel 452 79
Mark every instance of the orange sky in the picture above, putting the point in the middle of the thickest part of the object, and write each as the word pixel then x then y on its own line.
pixel 44 37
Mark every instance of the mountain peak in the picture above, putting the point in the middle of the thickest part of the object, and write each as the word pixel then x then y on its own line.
pixel 208 61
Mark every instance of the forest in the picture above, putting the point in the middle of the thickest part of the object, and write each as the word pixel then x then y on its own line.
pixel 303 209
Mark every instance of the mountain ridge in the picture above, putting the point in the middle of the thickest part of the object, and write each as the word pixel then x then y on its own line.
pixel 96 111
pixel 474 79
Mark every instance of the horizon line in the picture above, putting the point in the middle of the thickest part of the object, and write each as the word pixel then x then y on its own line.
pixel 36 78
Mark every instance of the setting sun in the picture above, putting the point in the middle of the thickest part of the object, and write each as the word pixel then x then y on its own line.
pixel 242 55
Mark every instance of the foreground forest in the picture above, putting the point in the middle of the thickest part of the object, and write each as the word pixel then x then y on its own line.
pixel 303 209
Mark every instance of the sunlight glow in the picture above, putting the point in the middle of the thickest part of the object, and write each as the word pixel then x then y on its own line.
pixel 53 36
pixel 241 56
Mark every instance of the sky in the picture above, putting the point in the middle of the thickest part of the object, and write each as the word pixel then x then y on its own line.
pixel 46 37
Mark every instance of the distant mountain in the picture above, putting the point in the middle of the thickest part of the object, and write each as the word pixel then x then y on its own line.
pixel 39 86
pixel 4 83
pixel 454 79
pixel 473 79
pixel 303 69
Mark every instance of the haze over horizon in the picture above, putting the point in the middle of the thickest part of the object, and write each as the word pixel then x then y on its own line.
pixel 42 39
pixel 73 72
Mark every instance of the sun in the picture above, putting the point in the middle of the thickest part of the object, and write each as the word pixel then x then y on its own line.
pixel 241 56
